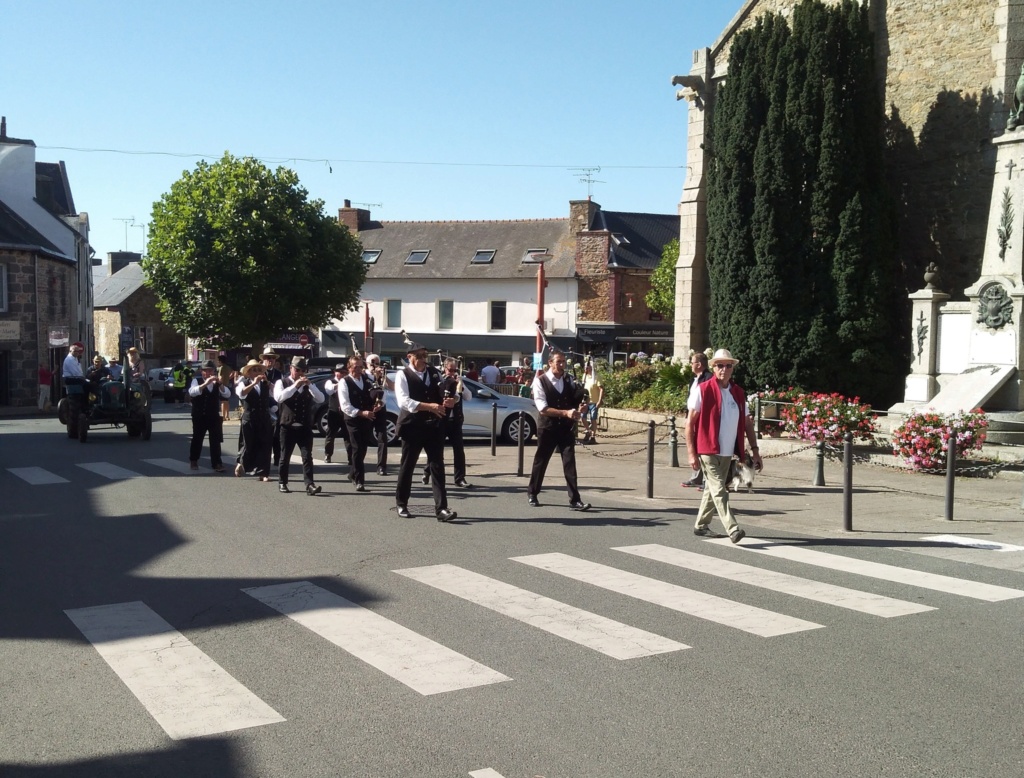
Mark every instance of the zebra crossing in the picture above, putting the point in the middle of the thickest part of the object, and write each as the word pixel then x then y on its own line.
pixel 39 476
pixel 189 694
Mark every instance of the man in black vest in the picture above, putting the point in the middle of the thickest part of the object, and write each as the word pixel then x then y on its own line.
pixel 701 373
pixel 418 391
pixel 559 399
pixel 452 384
pixel 359 404
pixel 335 418
pixel 297 399
pixel 207 392
pixel 270 360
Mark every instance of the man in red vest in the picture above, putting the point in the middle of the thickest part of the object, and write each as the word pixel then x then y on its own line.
pixel 714 434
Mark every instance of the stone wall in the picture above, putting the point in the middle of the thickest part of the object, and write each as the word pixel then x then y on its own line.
pixel 596 289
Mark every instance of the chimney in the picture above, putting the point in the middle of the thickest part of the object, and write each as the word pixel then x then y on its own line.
pixel 581 215
pixel 353 218
pixel 3 127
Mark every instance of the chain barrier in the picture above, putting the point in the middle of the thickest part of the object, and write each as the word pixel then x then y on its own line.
pixel 641 431
pixel 608 455
pixel 988 470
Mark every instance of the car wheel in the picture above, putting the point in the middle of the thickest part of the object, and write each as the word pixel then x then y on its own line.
pixel 392 429
pixel 320 422
pixel 510 429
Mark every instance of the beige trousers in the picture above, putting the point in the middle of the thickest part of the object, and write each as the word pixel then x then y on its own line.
pixel 716 492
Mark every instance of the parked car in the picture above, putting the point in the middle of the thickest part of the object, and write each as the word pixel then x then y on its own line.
pixel 157 377
pixel 169 381
pixel 477 412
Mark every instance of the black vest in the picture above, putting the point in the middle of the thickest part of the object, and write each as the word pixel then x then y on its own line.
pixel 207 404
pixel 257 402
pixel 361 399
pixel 450 386
pixel 570 398
pixel 334 398
pixel 297 409
pixel 421 393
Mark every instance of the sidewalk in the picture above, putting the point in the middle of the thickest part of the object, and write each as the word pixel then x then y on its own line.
pixel 891 505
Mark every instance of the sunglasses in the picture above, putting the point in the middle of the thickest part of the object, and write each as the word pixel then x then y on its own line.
pixel 723 367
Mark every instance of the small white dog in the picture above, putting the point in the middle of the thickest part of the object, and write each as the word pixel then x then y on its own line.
pixel 741 475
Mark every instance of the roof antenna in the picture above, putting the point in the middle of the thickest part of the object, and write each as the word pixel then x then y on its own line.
pixel 586 176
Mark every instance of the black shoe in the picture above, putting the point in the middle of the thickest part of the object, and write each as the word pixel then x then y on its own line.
pixel 352 477
pixel 313 489
pixel 403 512
pixel 446 515
pixel 360 488
pixel 327 460
pixel 426 479
pixel 283 488
pixel 533 501
pixel 695 481
pixel 579 505
pixel 463 484
pixel 737 536
pixel 704 531
pixel 382 471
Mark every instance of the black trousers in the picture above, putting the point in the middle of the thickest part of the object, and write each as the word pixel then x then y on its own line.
pixel 549 440
pixel 255 445
pixel 290 438
pixel 380 426
pixel 414 442
pixel 200 426
pixel 336 428
pixel 360 432
pixel 453 434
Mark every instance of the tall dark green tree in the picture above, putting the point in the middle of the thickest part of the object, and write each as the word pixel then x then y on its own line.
pixel 801 238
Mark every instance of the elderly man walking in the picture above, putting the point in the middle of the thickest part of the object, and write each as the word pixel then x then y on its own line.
pixel 715 429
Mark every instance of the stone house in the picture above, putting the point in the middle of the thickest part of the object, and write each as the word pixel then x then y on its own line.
pixel 947 69
pixel 45 272
pixel 478 288
pixel 125 314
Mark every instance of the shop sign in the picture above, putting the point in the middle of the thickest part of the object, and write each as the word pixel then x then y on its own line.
pixel 10 330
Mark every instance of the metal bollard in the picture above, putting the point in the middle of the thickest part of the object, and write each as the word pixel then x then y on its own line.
pixel 650 459
pixel 673 443
pixel 819 466
pixel 950 474
pixel 494 429
pixel 848 482
pixel 757 416
pixel 522 443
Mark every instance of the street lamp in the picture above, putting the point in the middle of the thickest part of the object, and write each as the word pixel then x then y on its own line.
pixel 540 259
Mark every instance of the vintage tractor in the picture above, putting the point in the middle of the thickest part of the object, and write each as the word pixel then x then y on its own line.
pixel 121 403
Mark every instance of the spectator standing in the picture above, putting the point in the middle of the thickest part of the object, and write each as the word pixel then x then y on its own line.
pixel 714 434
pixel 491 374
pixel 595 394
pixel 45 382
pixel 226 375
pixel 472 373
pixel 699 365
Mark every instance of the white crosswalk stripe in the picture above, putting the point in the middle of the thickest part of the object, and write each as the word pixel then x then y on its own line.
pixel 747 618
pixel 184 690
pixel 37 476
pixel 175 465
pixel 609 637
pixel 108 470
pixel 418 662
pixel 840 596
pixel 987 545
pixel 939 583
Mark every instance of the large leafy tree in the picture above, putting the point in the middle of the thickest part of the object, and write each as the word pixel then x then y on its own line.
pixel 662 296
pixel 238 254
pixel 801 246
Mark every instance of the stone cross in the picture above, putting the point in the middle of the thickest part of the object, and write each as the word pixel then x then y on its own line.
pixel 1010 165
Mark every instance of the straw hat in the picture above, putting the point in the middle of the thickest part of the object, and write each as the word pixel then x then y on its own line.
pixel 723 355
pixel 250 366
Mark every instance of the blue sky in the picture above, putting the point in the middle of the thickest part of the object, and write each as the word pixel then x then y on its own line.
pixel 420 110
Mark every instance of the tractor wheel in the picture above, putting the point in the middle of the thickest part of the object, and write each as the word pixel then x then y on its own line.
pixel 134 429
pixel 147 427
pixel 62 411
pixel 83 427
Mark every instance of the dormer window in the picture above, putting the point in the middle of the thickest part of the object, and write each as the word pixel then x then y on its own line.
pixel 620 239
pixel 370 256
pixel 417 257
pixel 533 256
pixel 483 257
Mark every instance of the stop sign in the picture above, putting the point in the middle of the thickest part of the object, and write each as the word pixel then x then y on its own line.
pixel 303 340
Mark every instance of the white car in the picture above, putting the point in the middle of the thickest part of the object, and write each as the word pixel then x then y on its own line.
pixel 156 377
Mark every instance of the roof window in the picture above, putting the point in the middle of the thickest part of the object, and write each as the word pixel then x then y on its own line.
pixel 534 256
pixel 417 257
pixel 370 256
pixel 483 257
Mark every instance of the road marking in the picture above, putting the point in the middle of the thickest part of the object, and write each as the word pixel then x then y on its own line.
pixel 612 638
pixel 705 606
pixel 987 545
pixel 177 465
pixel 418 662
pixel 865 602
pixel 107 470
pixel 186 692
pixel 939 583
pixel 37 476
pixel 487 772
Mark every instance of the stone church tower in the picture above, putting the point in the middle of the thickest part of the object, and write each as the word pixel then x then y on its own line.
pixel 949 69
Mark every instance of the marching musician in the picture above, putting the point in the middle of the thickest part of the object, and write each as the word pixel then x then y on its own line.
pixel 381 382
pixel 336 418
pixel 360 407
pixel 257 428
pixel 453 387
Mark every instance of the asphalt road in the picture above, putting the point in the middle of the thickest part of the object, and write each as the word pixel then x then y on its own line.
pixel 157 622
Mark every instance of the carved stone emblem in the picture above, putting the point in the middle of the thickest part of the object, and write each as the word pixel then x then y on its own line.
pixel 995 308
